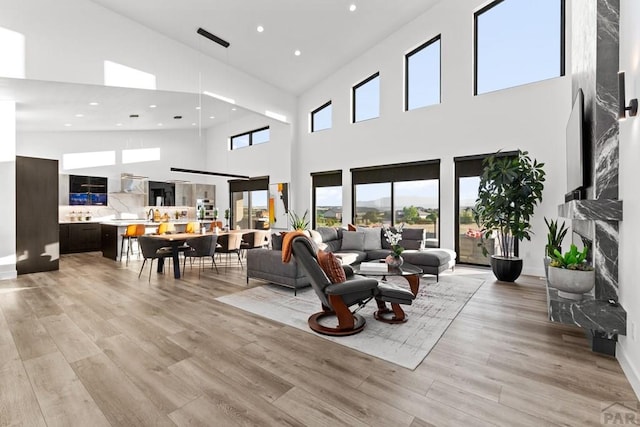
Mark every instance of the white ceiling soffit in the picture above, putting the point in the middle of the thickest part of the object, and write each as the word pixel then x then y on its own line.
pixel 326 32
pixel 52 106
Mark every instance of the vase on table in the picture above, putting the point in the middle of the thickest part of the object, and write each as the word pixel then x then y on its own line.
pixel 394 260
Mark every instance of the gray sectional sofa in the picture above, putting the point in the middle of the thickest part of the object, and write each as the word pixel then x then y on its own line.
pixel 352 247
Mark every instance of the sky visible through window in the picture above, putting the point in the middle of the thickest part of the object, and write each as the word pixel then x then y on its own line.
pixel 322 119
pixel 518 43
pixel 423 77
pixel 367 100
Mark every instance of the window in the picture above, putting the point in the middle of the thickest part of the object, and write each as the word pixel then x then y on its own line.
pixel 468 242
pixel 406 193
pixel 258 136
pixel 321 117
pixel 249 203
pixel 366 99
pixel 518 42
pixel 327 199
pixel 422 75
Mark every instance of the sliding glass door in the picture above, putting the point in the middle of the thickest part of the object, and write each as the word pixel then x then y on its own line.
pixel 249 203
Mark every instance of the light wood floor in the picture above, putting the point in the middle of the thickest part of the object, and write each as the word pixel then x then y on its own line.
pixel 93 345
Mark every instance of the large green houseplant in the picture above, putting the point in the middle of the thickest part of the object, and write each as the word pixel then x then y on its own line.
pixel 509 190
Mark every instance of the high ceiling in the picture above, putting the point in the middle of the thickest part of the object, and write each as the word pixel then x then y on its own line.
pixel 326 32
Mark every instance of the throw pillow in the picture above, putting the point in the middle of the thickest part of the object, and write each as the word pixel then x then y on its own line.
pixel 276 241
pixel 352 241
pixel 315 236
pixel 331 267
pixel 372 239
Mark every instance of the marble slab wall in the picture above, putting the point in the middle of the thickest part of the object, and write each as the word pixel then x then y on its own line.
pixel 595 47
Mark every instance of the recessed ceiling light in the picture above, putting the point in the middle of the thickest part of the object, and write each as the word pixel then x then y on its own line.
pixel 67 124
pixel 159 124
pixel 152 106
pixel 118 124
pixel 260 28
pixel 193 124
pixel 79 115
pixel 197 108
pixel 297 53
pixel 234 109
pixel 93 104
pixel 212 117
pixel 352 8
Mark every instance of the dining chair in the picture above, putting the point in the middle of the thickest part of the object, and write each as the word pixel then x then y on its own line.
pixel 152 249
pixel 230 243
pixel 201 247
pixel 131 234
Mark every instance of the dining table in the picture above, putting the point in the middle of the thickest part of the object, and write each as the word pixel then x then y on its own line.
pixel 176 241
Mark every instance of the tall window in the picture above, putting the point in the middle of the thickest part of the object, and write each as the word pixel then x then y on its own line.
pixel 254 137
pixel 518 42
pixel 366 99
pixel 321 117
pixel 422 75
pixel 406 193
pixel 327 199
pixel 249 203
pixel 469 243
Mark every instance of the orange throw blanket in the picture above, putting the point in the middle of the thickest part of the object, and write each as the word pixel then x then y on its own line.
pixel 287 240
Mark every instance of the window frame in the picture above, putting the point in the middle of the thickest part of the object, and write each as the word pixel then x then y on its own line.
pixel 250 134
pixel 249 186
pixel 423 46
pixel 398 172
pixel 353 97
pixel 563 35
pixel 321 180
pixel 317 110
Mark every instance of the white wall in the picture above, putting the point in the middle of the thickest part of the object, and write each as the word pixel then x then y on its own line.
pixel 8 189
pixel 178 148
pixel 69 41
pixel 629 268
pixel 531 117
pixel 272 159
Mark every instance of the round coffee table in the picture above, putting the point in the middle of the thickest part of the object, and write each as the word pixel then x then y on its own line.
pixel 409 271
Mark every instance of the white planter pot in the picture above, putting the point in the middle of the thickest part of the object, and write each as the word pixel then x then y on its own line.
pixel 571 284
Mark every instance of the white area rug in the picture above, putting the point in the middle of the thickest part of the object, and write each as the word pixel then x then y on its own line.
pixel 405 344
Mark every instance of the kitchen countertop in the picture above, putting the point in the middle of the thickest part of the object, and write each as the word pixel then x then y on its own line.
pixel 125 222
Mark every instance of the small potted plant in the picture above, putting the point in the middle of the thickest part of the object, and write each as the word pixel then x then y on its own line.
pixel 571 274
pixel 299 222
pixel 226 217
pixel 555 235
pixel 394 259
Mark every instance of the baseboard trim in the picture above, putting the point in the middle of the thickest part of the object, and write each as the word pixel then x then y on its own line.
pixel 629 370
pixel 8 274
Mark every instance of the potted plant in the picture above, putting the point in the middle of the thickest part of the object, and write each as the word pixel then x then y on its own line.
pixel 571 274
pixel 299 222
pixel 394 259
pixel 226 217
pixel 555 236
pixel 509 190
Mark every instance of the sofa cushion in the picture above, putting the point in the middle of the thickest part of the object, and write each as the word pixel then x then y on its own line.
pixel 431 257
pixel 352 241
pixel 332 267
pixel 315 236
pixel 351 257
pixel 328 233
pixel 378 253
pixel 276 241
pixel 372 239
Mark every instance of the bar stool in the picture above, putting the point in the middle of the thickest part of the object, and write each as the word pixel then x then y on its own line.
pixel 132 233
pixel 166 227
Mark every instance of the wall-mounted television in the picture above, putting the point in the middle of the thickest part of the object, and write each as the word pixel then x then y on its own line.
pixel 576 169
pixel 87 190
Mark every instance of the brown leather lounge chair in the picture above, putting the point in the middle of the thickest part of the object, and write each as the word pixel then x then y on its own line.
pixel 336 298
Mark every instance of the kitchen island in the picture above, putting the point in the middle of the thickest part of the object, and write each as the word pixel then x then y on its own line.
pixel 111 233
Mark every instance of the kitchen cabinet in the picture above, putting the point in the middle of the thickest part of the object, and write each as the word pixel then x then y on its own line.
pixel 185 194
pixel 205 191
pixel 109 241
pixel 80 237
